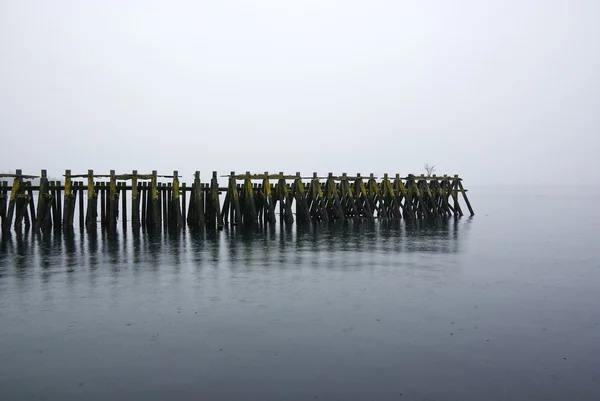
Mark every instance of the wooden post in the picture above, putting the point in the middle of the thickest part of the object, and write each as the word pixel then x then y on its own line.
pixel 91 217
pixel 464 194
pixel 165 218
pixel 302 213
pixel 44 206
pixel 234 199
pixel 212 206
pixel 454 193
pixel 195 217
pixel 58 220
pixel 175 212
pixel 183 203
pixel 31 203
pixel 12 201
pixel 113 203
pixel 69 204
pixel 103 205
pixel 21 203
pixel 3 199
pixel 144 204
pixel 154 202
pixel 360 192
pixel 249 208
pixel 135 201
pixel 124 205
pixel 269 202
pixel 81 206
pixel 228 209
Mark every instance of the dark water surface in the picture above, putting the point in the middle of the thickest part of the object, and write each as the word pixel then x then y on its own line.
pixel 503 306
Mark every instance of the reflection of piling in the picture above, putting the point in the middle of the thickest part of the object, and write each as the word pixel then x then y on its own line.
pixel 249 199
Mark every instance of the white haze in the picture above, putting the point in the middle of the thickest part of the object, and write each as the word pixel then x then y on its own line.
pixel 497 91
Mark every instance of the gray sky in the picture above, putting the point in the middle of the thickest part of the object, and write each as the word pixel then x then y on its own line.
pixel 489 90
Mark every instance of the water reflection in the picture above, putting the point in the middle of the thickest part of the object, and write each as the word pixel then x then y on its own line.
pixel 264 245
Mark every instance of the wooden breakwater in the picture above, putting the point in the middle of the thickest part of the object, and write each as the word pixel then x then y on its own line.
pixel 249 199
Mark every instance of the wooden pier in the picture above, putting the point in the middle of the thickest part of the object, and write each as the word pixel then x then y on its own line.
pixel 248 199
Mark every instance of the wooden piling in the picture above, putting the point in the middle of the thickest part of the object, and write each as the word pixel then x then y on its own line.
pixel 81 206
pixel 175 217
pixel 91 217
pixel 3 202
pixel 31 203
pixel 12 201
pixel 195 216
pixel 246 201
pixel 163 196
pixel 69 203
pixel 124 205
pixel 269 202
pixel 44 206
pixel 183 203
pixel 58 197
pixel 103 205
pixel 454 193
pixel 135 201
pixel 153 216
pixel 144 203
pixel 462 191
pixel 112 203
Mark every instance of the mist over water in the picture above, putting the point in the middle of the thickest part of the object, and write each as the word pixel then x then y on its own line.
pixel 503 305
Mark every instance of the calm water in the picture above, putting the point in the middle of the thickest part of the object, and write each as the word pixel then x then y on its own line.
pixel 503 306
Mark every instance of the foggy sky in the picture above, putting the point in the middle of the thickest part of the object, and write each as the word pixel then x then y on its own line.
pixel 491 90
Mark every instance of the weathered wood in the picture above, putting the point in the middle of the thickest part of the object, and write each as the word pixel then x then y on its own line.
pixel 3 202
pixel 81 206
pixel 334 205
pixel 31 203
pixel 153 216
pixel 463 192
pixel 336 198
pixel 195 217
pixel 249 215
pixel 269 202
pixel 112 203
pixel 20 202
pixel 135 201
pixel 213 215
pixel 44 206
pixel 144 203
pixel 91 217
pixel 12 201
pixel 123 206
pixel 183 203
pixel 103 208
pixel 175 218
pixel 69 203
pixel 302 212
pixel 58 197
pixel 454 193
pixel 163 193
